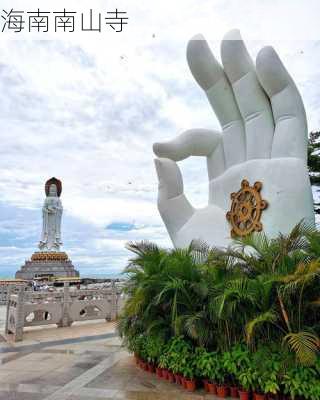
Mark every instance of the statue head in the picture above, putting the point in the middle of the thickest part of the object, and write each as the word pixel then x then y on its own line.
pixel 53 190
pixel 53 187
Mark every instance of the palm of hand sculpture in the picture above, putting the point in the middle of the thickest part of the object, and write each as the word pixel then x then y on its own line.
pixel 263 139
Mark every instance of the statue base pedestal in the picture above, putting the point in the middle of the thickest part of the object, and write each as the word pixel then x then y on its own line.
pixel 47 263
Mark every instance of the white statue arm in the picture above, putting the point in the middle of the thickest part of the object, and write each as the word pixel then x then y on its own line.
pixel 47 208
pixel 59 205
pixel 264 138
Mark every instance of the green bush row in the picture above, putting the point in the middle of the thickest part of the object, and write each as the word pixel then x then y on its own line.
pixel 264 371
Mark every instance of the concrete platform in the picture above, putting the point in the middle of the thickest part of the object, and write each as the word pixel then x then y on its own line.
pixel 83 362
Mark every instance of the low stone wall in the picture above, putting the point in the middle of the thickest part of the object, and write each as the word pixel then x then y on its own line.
pixel 60 307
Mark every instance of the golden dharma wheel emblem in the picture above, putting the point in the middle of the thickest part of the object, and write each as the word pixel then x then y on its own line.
pixel 246 209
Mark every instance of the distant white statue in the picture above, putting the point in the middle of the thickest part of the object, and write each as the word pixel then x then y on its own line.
pixel 257 164
pixel 51 217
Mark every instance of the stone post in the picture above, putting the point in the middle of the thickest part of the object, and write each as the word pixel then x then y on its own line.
pixel 2 294
pixel 114 302
pixel 7 310
pixel 19 320
pixel 66 318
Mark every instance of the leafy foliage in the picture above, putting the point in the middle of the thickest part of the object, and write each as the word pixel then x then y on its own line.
pixel 248 314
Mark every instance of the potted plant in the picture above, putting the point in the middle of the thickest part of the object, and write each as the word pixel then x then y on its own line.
pixel 212 387
pixel 266 362
pixel 214 372
pixel 174 369
pixel 136 345
pixel 267 384
pixel 153 347
pixel 299 381
pixel 222 390
pixel 220 377
pixel 181 362
pixel 204 365
pixel 188 378
pixel 159 372
pixel 180 355
pixel 170 376
pixel 233 361
pixel 247 379
pixel 163 364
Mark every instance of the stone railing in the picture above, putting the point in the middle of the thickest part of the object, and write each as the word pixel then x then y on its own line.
pixel 5 289
pixel 60 307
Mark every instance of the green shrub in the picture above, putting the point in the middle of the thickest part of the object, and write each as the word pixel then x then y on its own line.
pixel 154 346
pixel 302 381
pixel 268 366
pixel 180 356
pixel 235 361
pixel 205 363
pixel 137 344
pixel 247 318
pixel 248 379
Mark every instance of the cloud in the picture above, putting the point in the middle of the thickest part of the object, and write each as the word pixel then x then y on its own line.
pixel 88 110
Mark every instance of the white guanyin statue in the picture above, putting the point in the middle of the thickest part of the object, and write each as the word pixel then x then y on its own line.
pixel 51 217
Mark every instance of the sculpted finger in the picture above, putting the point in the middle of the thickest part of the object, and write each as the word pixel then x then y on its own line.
pixel 205 69
pixel 210 76
pixel 252 101
pixel 194 142
pixel 291 132
pixel 173 206
pixel 170 179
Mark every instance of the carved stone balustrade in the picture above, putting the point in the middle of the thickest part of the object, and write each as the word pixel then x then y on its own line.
pixel 61 307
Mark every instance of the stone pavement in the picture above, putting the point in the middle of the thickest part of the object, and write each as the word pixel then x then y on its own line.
pixel 84 362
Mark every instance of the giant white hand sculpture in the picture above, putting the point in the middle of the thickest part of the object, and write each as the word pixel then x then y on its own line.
pixel 264 138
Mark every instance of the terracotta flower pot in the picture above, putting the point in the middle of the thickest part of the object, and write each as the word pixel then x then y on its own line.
pixel 222 391
pixel 259 396
pixel 234 392
pixel 165 373
pixel 190 385
pixel 177 378
pixel 244 395
pixel 205 384
pixel 272 396
pixel 183 382
pixel 151 368
pixel 159 372
pixel 170 376
pixel 212 388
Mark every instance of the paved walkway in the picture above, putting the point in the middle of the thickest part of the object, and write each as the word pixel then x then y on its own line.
pixel 84 362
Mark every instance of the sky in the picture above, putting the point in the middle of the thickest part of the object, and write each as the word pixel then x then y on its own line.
pixel 86 108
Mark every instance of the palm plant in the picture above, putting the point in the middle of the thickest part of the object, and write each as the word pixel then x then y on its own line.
pixel 143 271
pixel 285 267
pixel 258 291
